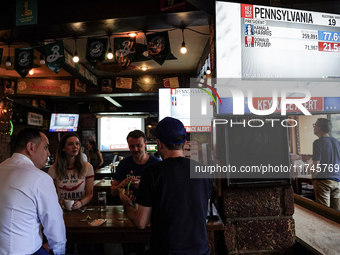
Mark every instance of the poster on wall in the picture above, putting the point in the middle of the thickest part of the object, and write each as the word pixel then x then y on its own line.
pixel 26 12
pixel 106 85
pixel 171 82
pixel 79 86
pixel 9 87
pixel 123 83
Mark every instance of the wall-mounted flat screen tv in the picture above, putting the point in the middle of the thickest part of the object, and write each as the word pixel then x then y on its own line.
pixel 64 122
pixel 113 130
pixel 260 49
pixel 151 147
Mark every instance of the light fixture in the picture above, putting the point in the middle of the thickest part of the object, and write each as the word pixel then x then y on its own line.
pixel 42 60
pixel 204 75
pixel 202 79
pixel 133 34
pixel 113 101
pixel 208 70
pixel 109 52
pixel 75 56
pixel 146 51
pixel 183 48
pixel 8 60
pixel 144 68
pixel 31 72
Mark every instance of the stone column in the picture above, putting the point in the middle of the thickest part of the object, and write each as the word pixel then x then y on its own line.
pixel 259 220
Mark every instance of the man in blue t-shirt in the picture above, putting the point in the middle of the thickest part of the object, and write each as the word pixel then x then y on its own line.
pixel 130 169
pixel 326 164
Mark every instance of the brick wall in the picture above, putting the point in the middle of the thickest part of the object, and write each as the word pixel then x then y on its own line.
pixel 259 220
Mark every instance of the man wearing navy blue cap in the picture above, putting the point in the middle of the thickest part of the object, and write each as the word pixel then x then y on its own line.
pixel 175 204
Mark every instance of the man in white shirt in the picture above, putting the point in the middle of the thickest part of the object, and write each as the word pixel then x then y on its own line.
pixel 28 199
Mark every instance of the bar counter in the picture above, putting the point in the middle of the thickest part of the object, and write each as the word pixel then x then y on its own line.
pixel 115 230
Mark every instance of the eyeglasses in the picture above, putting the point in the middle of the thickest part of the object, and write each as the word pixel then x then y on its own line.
pixel 314 125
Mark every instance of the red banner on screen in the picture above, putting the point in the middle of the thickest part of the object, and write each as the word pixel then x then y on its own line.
pixel 197 129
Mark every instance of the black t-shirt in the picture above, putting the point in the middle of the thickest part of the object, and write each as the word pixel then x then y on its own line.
pixel 179 207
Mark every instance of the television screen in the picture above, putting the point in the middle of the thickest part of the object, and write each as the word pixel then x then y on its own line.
pixel 112 131
pixel 265 48
pixel 151 147
pixel 176 102
pixel 64 122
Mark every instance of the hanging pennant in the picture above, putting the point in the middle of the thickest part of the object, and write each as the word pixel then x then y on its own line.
pixel 55 57
pixel 23 62
pixel 125 49
pixel 96 50
pixel 159 46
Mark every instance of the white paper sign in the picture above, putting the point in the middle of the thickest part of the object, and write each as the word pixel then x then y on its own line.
pixel 34 119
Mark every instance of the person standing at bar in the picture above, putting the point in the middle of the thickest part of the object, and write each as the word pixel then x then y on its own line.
pixel 73 178
pixel 29 201
pixel 94 155
pixel 175 204
pixel 131 168
pixel 326 164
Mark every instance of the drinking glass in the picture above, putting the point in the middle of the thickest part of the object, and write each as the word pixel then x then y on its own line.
pixel 102 201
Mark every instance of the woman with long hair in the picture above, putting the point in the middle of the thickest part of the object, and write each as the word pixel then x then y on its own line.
pixel 72 176
pixel 94 156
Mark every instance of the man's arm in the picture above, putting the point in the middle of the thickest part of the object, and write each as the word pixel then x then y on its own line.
pixel 139 215
pixel 50 215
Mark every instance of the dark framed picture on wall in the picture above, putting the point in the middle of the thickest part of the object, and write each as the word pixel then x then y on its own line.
pixel 9 87
pixel 106 85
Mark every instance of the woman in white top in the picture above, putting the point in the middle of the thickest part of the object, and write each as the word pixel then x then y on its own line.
pixel 72 176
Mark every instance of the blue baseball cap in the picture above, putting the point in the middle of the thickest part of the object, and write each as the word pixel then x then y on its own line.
pixel 169 131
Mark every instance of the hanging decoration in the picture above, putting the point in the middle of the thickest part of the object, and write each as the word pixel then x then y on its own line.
pixel 125 50
pixel 96 51
pixel 55 57
pixel 23 62
pixel 159 46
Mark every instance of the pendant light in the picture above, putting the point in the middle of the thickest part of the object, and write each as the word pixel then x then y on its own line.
pixel 8 60
pixel 183 48
pixel 75 56
pixel 109 52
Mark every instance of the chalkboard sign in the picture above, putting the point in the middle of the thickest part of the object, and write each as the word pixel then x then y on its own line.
pixel 253 151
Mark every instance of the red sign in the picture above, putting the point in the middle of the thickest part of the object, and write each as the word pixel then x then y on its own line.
pixel 197 129
pixel 247 11
pixel 265 103
pixel 329 46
